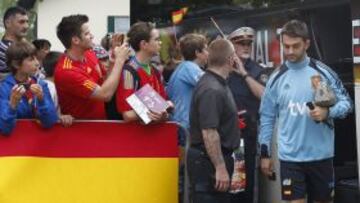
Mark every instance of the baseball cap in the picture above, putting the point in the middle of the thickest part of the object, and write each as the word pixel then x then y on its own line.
pixel 242 34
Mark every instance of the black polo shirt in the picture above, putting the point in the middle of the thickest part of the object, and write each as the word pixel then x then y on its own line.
pixel 213 106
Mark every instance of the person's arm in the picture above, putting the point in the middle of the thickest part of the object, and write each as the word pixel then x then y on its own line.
pixel 343 105
pixel 66 120
pixel 7 118
pixel 155 117
pixel 256 88
pixel 8 108
pixel 213 148
pixel 127 88
pixel 108 88
pixel 130 116
pixel 268 111
pixel 210 109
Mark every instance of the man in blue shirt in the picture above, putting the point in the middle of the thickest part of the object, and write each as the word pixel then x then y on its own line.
pixel 182 82
pixel 305 136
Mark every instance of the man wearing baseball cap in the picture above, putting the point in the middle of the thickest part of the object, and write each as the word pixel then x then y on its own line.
pixel 247 88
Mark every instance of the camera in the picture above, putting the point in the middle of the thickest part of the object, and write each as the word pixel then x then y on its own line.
pixel 25 85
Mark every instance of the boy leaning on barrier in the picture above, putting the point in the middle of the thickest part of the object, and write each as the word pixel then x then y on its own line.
pixel 21 94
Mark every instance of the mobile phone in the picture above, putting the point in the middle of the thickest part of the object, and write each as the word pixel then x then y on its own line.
pixel 310 105
pixel 26 85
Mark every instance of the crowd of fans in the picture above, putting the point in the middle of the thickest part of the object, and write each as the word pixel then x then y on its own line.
pixel 89 81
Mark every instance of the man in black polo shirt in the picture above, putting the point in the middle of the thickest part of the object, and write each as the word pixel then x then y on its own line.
pixel 213 128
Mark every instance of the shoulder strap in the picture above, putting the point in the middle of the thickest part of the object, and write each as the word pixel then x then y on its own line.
pixel 111 109
pixel 282 70
pixel 134 73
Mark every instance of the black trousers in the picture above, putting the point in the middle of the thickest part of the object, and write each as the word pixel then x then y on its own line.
pixel 202 177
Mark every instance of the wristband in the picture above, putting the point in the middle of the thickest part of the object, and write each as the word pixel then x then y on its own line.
pixel 264 151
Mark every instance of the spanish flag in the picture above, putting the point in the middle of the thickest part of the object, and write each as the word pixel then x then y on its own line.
pixel 177 16
pixel 90 162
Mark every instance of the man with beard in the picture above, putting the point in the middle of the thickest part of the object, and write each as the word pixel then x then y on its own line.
pixel 305 136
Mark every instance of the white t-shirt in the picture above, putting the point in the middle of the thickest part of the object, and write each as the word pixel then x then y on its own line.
pixel 53 93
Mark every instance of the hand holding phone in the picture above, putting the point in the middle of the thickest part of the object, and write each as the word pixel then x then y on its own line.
pixel 16 93
pixel 311 106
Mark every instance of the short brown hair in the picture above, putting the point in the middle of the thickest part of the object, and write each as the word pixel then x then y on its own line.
pixel 219 52
pixel 18 52
pixel 190 43
pixel 138 32
pixel 13 11
pixel 295 28
pixel 70 26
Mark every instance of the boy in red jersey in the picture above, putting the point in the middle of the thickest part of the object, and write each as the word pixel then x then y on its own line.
pixel 145 40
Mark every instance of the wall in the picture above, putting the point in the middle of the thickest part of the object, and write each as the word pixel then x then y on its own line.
pixel 50 13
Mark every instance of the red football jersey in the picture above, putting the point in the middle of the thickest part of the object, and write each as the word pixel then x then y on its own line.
pixel 75 82
pixel 127 84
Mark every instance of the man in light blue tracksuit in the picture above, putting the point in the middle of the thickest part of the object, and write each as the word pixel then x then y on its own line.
pixel 305 137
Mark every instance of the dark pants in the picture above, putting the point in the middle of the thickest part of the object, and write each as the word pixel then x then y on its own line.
pixel 250 138
pixel 202 177
pixel 204 197
pixel 315 178
pixel 181 145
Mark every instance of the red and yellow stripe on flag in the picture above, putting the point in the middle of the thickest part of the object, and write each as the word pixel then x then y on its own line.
pixel 90 162
pixel 177 16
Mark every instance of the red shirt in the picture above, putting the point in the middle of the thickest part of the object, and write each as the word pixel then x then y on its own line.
pixel 75 82
pixel 126 85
